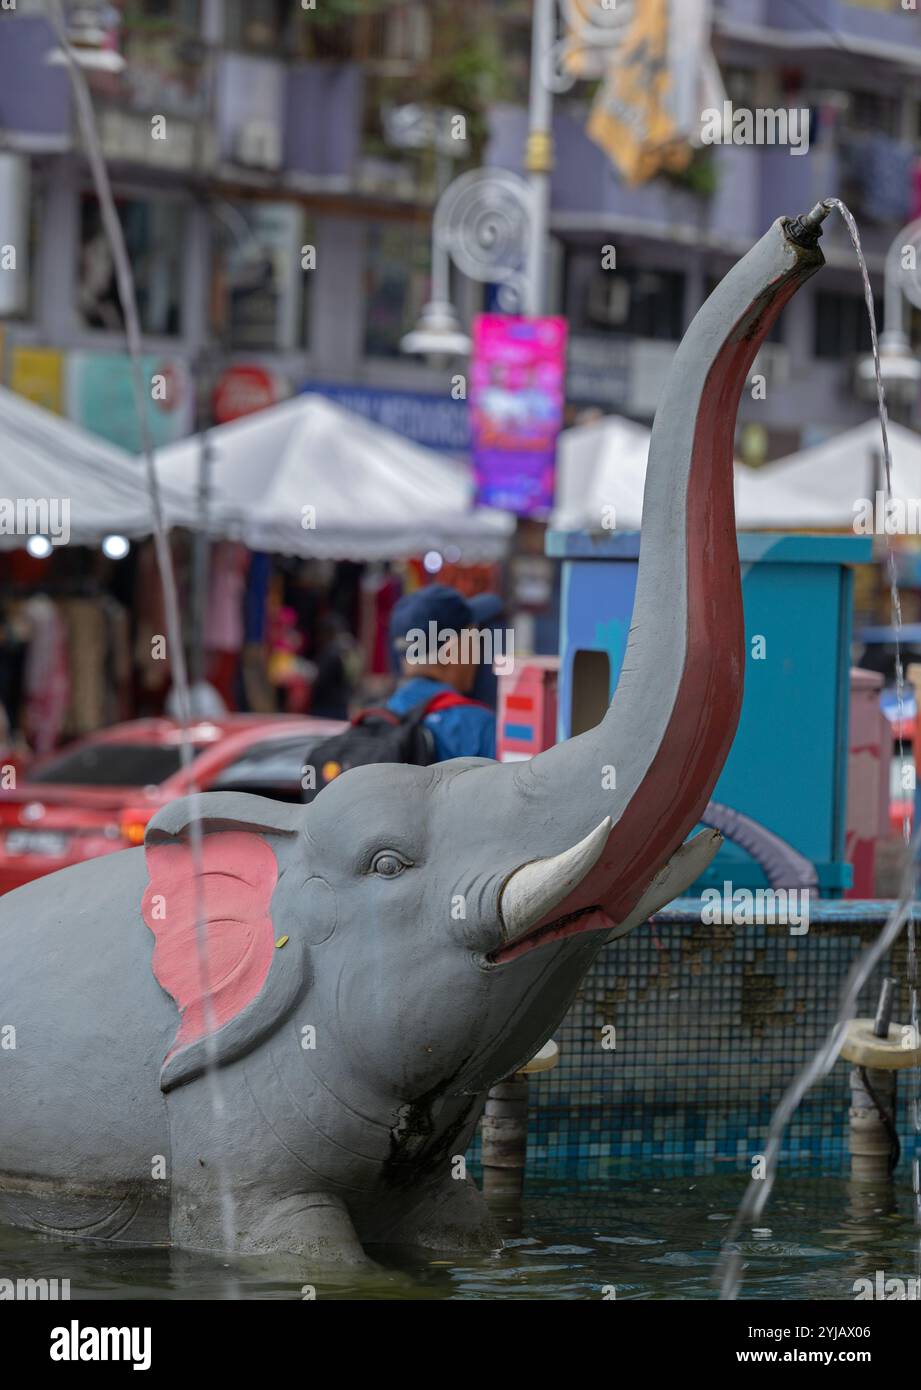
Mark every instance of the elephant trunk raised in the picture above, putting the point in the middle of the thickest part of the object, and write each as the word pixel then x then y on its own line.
pixel 674 713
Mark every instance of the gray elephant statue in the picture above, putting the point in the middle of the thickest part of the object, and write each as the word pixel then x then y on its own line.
pixel 271 1029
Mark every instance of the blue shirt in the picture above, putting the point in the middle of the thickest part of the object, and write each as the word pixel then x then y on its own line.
pixel 462 731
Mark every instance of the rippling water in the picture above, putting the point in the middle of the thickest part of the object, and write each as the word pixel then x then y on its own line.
pixel 646 1236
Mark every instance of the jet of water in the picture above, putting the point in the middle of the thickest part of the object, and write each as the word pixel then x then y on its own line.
pixel 756 1196
pixel 128 298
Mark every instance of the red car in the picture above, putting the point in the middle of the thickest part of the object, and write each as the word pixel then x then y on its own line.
pixel 97 795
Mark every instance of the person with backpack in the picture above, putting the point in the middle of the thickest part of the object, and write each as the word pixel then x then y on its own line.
pixel 489 616
pixel 431 715
pixel 461 726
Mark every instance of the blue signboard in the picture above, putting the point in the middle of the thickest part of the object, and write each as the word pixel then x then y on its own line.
pixel 438 422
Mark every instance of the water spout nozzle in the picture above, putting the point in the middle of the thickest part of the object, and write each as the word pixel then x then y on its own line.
pixel 884 1007
pixel 806 229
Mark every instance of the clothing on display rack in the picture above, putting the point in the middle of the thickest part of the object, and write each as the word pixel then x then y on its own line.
pixel 46 676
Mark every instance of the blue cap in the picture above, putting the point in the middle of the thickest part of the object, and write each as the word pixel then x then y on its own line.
pixel 486 608
pixel 436 603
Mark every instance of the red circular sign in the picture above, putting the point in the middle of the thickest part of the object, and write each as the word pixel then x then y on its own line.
pixel 242 391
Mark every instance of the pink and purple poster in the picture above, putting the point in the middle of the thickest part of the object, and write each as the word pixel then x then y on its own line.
pixel 516 409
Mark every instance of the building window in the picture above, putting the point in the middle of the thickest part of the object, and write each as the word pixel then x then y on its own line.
pixel 870 111
pixel 739 84
pixel 635 302
pixel 154 234
pixel 164 62
pixel 262 262
pixel 258 26
pixel 390 37
pixel 397 275
pixel 182 12
pixel 513 20
pixel 841 325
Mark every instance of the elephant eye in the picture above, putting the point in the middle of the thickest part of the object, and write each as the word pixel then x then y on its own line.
pixel 387 864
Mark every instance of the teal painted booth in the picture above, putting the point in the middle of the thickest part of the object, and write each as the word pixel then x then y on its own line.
pixel 787 768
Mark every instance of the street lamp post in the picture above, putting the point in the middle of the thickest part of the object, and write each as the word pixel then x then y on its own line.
pixel 539 152
pixel 899 366
pixel 483 224
pixel 493 224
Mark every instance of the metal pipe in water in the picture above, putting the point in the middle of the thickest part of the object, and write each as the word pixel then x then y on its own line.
pixel 884 1007
pixel 873 1136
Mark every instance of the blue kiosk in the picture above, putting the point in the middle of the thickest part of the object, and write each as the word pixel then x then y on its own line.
pixel 787 768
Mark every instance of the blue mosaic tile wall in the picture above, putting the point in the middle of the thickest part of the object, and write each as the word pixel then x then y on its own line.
pixel 712 1023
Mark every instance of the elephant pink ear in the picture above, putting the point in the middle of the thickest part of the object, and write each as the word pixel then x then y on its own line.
pixel 214 971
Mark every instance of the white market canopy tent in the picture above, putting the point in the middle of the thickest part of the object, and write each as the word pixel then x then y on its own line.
pixel 44 458
pixel 600 465
pixel 307 477
pixel 818 487
pixel 603 464
pixel 601 475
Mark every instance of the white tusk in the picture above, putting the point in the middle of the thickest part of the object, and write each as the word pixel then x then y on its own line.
pixel 537 888
pixel 686 864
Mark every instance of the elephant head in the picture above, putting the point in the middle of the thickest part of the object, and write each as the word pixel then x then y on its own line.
pixel 434 923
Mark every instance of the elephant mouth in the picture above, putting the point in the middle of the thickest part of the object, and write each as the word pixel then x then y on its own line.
pixel 536 906
pixel 579 923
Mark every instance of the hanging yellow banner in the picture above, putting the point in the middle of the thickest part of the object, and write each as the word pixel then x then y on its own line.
pixel 632 118
pixel 592 32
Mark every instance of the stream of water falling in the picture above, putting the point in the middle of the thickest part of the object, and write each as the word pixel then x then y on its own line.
pixel 757 1193
pixel 128 299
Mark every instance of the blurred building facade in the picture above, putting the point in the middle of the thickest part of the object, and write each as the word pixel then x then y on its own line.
pixel 276 169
